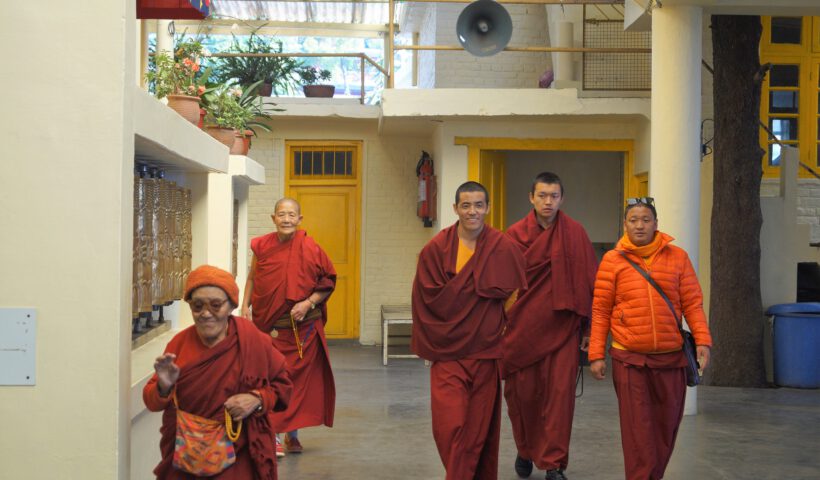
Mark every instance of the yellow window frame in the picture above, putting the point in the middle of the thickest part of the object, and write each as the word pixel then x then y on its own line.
pixel 807 57
pixel 291 146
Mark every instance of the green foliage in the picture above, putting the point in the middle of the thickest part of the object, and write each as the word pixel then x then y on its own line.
pixel 313 75
pixel 181 74
pixel 245 71
pixel 230 107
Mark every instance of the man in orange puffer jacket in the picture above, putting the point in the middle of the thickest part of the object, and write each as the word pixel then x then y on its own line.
pixel 648 365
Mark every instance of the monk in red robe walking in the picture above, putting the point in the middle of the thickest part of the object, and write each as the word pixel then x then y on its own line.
pixel 464 276
pixel 547 322
pixel 219 368
pixel 290 280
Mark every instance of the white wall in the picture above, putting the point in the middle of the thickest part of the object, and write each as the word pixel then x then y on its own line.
pixel 427 36
pixel 592 183
pixel 66 196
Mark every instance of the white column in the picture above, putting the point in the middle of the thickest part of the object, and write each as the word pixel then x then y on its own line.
pixel 674 178
pixel 165 41
pixel 563 67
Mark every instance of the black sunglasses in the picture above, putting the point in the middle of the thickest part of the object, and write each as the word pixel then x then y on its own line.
pixel 640 201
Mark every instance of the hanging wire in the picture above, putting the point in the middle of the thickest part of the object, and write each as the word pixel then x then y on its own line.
pixel 705 149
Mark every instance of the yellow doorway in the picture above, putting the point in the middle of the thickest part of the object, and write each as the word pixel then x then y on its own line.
pixel 486 164
pixel 324 177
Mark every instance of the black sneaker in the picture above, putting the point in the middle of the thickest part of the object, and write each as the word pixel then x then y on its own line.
pixel 523 467
pixel 556 474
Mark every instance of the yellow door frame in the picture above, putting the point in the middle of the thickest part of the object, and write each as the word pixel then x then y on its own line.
pixel 320 181
pixel 476 144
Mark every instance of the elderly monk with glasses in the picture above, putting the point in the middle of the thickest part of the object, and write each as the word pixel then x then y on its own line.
pixel 224 370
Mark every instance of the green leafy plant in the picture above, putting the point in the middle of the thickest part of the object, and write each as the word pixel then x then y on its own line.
pixel 246 71
pixel 180 74
pixel 313 75
pixel 228 106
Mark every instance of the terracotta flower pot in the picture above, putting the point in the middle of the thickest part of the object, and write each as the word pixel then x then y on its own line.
pixel 322 91
pixel 265 90
pixel 186 106
pixel 202 113
pixel 247 140
pixel 224 135
pixel 239 146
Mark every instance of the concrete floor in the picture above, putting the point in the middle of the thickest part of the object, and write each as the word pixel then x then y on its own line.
pixel 383 430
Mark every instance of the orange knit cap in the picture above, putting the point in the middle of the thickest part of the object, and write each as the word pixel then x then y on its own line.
pixel 208 276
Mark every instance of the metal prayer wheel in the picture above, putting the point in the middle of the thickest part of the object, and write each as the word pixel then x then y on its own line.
pixel 156 245
pixel 161 244
pixel 186 227
pixel 235 242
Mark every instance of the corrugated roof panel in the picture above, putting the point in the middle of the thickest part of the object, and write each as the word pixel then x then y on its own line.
pixel 364 13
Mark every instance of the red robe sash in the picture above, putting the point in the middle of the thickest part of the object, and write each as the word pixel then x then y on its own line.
pixel 286 273
pixel 561 268
pixel 245 360
pixel 461 315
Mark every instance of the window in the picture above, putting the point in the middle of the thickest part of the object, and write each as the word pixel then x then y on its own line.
pixel 316 160
pixel 790 101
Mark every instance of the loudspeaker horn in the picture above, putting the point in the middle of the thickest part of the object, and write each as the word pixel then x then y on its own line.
pixel 484 28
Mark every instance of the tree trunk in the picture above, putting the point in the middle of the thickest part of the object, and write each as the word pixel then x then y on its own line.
pixel 736 312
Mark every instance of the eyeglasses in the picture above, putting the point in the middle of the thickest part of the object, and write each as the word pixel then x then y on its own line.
pixel 640 201
pixel 213 306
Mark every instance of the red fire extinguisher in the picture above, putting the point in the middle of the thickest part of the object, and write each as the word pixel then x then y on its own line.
pixel 427 189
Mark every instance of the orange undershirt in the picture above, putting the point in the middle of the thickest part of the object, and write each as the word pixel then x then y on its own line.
pixel 464 255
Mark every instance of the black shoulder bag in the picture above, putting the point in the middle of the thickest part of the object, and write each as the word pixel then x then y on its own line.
pixel 689 348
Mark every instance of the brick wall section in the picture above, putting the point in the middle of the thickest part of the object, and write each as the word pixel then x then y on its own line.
pixel 808 202
pixel 392 235
pixel 808 206
pixel 503 70
pixel 268 151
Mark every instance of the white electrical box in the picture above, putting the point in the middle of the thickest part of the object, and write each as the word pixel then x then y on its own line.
pixel 17 354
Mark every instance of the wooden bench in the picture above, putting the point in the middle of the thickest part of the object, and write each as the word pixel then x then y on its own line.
pixel 394 315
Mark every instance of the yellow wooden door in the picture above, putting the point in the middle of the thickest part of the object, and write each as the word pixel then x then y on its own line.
pixel 323 176
pixel 491 174
pixel 329 217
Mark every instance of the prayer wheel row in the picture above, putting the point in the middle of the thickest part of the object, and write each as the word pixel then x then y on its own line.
pixel 162 241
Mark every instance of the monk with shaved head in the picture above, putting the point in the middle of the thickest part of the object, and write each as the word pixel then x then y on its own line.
pixel 290 279
pixel 464 276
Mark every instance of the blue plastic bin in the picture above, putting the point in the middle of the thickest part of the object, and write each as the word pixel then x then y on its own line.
pixel 796 344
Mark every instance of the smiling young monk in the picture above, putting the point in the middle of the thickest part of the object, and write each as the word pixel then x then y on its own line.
pixel 464 276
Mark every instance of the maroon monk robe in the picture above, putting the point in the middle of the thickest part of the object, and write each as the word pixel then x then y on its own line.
pixel 244 360
pixel 458 316
pixel 457 323
pixel 651 392
pixel 541 344
pixel 287 273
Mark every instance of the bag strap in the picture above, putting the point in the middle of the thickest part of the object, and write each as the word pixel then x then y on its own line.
pixel 652 282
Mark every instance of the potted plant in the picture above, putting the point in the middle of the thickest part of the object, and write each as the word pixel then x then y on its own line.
pixel 310 77
pixel 231 111
pixel 274 74
pixel 256 110
pixel 179 78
